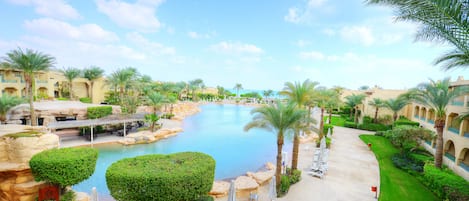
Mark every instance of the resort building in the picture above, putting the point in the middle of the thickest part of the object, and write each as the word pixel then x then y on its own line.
pixel 455 134
pixel 50 85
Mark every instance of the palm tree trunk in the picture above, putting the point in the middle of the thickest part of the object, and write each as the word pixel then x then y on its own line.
pixel 29 79
pixel 91 91
pixel 296 145
pixel 394 116
pixel 279 159
pixel 439 126
pixel 309 115
pixel 330 116
pixel 376 116
pixel 356 115
pixel 70 87
pixel 351 112
pixel 321 124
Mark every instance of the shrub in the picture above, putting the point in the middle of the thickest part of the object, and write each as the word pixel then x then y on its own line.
pixel 174 177
pixel 205 198
pixel 85 100
pixel 99 112
pixel 350 124
pixel 167 116
pixel 407 137
pixel 326 128
pixel 402 121
pixel 373 127
pixel 66 166
pixel 367 120
pixel 68 196
pixel 407 162
pixel 328 142
pixel 62 99
pixel 284 185
pixel 445 184
pixel 380 133
pixel 295 176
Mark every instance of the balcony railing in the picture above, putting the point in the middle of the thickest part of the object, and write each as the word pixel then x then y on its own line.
pixel 41 81
pixel 466 134
pixel 450 157
pixel 9 81
pixel 457 103
pixel 431 121
pixel 454 130
pixel 464 166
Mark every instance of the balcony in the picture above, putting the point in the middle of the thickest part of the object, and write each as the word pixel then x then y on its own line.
pixel 450 157
pixel 428 142
pixel 431 121
pixel 457 103
pixel 464 166
pixel 41 81
pixel 454 130
pixel 466 134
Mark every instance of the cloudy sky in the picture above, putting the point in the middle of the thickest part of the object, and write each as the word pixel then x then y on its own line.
pixel 260 44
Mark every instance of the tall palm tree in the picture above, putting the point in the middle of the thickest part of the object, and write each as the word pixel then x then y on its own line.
pixel 377 103
pixel 278 118
pixel 6 103
pixel 267 93
pixel 71 73
pixel 30 62
pixel 332 103
pixel 122 79
pixel 354 101
pixel 155 100
pixel 437 95
pixel 322 98
pixel 440 20
pixel 92 74
pixel 194 85
pixel 298 93
pixel 396 105
pixel 238 87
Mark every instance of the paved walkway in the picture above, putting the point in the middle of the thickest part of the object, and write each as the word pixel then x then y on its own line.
pixel 353 169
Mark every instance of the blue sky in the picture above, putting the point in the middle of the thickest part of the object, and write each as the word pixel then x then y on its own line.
pixel 261 44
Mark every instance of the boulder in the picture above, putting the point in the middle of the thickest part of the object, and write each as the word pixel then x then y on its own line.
pixel 245 183
pixel 220 189
pixel 262 177
pixel 270 166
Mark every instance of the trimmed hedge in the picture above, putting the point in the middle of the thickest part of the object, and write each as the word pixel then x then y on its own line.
pixel 175 177
pixel 373 127
pixel 326 128
pixel 445 184
pixel 65 166
pixel 99 112
pixel 350 124
pixel 405 122
pixel 85 100
pixel 407 162
pixel 284 185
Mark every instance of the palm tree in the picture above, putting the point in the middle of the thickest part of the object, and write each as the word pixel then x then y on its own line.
pixel 267 93
pixel 377 103
pixel 92 74
pixel 122 79
pixel 298 93
pixel 332 102
pixel 71 73
pixel 238 87
pixel 30 62
pixel 194 85
pixel 353 101
pixel 278 118
pixel 6 103
pixel 396 105
pixel 437 95
pixel 322 98
pixel 440 20
pixel 155 100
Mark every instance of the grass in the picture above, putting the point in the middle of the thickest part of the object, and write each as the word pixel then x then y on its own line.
pixel 336 120
pixel 24 134
pixel 396 184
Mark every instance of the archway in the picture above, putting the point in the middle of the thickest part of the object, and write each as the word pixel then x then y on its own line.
pixel 464 159
pixel 450 150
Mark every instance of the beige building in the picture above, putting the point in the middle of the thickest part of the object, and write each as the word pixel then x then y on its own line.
pixel 48 85
pixel 455 134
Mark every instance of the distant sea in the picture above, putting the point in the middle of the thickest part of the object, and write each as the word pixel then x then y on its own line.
pixel 261 92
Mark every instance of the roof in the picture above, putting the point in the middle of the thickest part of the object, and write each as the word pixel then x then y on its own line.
pixel 112 119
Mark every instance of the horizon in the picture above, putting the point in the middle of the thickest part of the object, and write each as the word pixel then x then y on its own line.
pixel 259 44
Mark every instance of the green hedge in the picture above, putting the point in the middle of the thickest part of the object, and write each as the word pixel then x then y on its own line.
pixel 175 177
pixel 66 166
pixel 350 124
pixel 373 127
pixel 284 185
pixel 326 128
pixel 445 184
pixel 85 100
pixel 405 122
pixel 99 112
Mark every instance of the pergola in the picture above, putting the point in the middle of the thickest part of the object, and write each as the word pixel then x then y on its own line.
pixel 109 120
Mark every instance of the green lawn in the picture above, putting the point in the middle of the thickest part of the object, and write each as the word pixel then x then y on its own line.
pixel 336 120
pixel 395 183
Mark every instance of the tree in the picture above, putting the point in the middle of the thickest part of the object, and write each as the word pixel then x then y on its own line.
pixel 238 87
pixel 155 100
pixel 71 73
pixel 194 85
pixel 396 105
pixel 267 93
pixel 407 138
pixel 92 74
pixel 221 92
pixel 440 20
pixel 298 93
pixel 437 95
pixel 278 118
pixel 377 103
pixel 322 98
pixel 123 79
pixel 6 103
pixel 30 62
pixel 353 101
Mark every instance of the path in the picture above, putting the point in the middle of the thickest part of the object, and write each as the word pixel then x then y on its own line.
pixel 353 169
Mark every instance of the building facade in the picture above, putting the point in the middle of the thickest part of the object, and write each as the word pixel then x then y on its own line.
pixel 456 131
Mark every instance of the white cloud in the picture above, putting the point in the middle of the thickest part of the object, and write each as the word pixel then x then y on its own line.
pixel 195 35
pixel 306 12
pixel 312 55
pixel 293 15
pixel 140 15
pixel 360 34
pixel 329 32
pixel 57 29
pixel 236 48
pixel 316 3
pixel 149 46
pixel 50 8
pixel 302 43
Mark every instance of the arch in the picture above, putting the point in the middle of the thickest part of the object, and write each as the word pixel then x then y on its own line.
pixel 453 123
pixel 423 113
pixel 463 159
pixel 416 111
pixel 24 93
pixel 450 150
pixel 431 116
pixel 11 91
pixel 465 127
pixel 42 92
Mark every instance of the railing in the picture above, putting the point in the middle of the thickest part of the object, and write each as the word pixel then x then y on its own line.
pixel 466 134
pixel 431 121
pixel 450 157
pixel 464 166
pixel 454 130
pixel 41 81
pixel 457 103
pixel 428 142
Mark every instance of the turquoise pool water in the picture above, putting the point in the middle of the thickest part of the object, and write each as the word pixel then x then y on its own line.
pixel 217 131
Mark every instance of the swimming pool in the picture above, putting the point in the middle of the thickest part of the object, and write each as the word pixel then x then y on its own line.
pixel 217 131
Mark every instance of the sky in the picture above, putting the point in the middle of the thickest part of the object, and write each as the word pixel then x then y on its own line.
pixel 260 44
